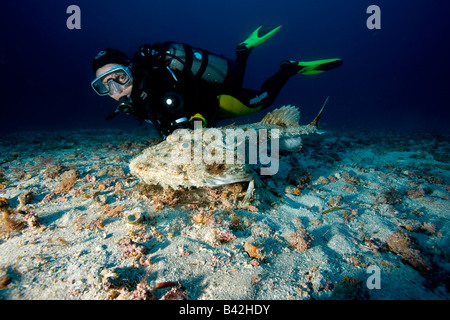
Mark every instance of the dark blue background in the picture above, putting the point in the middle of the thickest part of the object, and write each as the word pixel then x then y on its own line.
pixel 393 78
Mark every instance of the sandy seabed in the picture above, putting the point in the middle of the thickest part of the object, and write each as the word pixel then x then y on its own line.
pixel 355 215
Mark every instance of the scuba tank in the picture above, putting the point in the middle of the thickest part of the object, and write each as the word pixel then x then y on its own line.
pixel 201 63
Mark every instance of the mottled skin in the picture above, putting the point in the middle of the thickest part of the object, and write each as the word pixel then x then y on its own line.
pixel 175 163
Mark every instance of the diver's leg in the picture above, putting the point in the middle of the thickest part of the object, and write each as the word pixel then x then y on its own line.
pixel 238 67
pixel 243 49
pixel 264 97
pixel 312 67
pixel 272 86
pixel 242 57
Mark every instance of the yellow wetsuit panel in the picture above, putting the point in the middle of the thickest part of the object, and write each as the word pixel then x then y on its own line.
pixel 230 107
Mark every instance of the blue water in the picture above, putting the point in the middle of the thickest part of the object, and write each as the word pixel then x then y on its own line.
pixel 395 78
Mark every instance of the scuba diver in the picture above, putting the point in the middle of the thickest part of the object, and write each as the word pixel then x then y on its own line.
pixel 171 85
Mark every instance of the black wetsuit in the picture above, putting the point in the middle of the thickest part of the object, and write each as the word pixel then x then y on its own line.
pixel 173 82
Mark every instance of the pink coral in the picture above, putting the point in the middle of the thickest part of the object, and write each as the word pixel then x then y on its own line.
pixel 143 292
pixel 174 294
pixel 300 240
pixel 132 249
pixel 224 235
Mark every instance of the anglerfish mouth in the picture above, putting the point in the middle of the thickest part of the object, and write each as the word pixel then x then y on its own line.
pixel 227 179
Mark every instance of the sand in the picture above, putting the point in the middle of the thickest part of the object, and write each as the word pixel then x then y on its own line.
pixel 355 215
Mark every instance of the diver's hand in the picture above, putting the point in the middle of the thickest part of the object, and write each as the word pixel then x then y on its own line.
pixel 193 123
pixel 196 123
pixel 182 123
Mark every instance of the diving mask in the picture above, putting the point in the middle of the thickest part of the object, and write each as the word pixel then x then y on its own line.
pixel 112 81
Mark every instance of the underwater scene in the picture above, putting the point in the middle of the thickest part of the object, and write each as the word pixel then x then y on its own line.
pixel 239 150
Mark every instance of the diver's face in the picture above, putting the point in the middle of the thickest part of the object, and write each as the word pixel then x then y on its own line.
pixel 116 96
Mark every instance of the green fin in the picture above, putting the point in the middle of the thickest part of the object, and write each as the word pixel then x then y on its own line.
pixel 258 36
pixel 315 67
